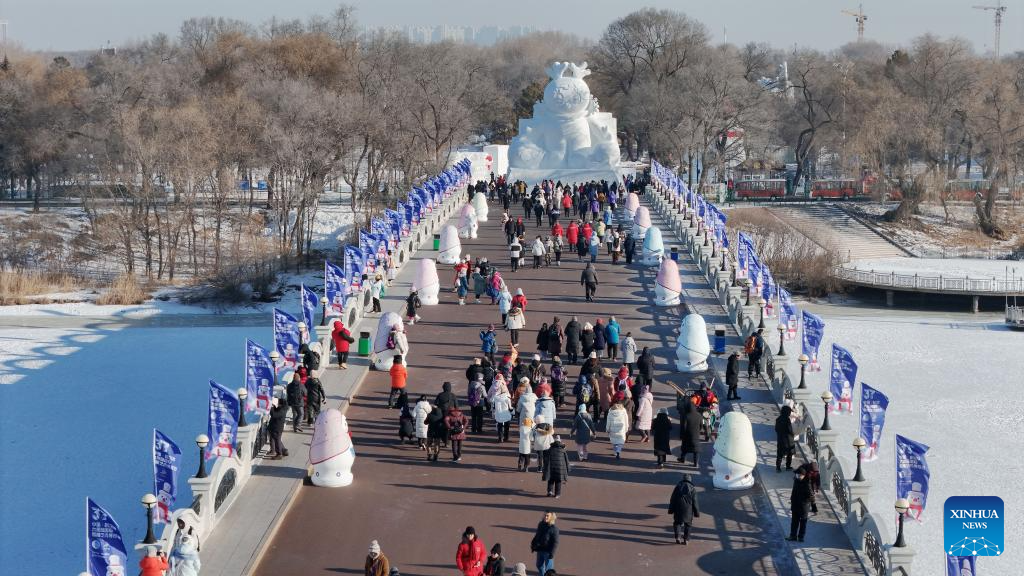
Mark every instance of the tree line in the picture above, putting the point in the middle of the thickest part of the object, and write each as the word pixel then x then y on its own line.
pixel 156 137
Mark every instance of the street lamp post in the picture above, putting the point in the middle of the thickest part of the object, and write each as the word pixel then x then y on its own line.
pixel 725 253
pixel 302 328
pixel 242 395
pixel 901 508
pixel 782 342
pixel 761 303
pixel 202 440
pixel 748 283
pixel 274 357
pixel 859 443
pixel 323 310
pixel 803 360
pixel 826 397
pixel 149 501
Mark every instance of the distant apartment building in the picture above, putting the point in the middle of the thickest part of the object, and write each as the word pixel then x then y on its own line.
pixel 483 35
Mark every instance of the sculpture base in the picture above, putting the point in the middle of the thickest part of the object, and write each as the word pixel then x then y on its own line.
pixel 564 175
pixel 334 473
pixel 665 297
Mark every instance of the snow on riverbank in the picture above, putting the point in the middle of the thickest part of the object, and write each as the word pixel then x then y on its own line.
pixel 947 267
pixel 953 381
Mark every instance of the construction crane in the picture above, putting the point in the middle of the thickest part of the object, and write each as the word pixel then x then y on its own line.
pixel 860 17
pixel 999 9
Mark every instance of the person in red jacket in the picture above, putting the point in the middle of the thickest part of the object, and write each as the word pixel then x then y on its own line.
pixel 572 234
pixel 557 230
pixel 471 555
pixel 342 339
pixel 398 377
pixel 587 231
pixel 519 300
pixel 154 564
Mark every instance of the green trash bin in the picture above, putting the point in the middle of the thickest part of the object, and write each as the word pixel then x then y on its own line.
pixel 437 241
pixel 364 344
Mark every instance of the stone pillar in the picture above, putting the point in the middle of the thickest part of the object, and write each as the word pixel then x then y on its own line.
pixel 900 560
pixel 827 438
pixel 203 488
pixel 889 297
pixel 246 438
pixel 323 335
pixel 974 303
pixel 860 490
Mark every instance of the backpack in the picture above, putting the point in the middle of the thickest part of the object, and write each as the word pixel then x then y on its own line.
pixel 748 345
pixel 557 373
pixel 553 335
pixel 456 429
pixel 474 396
pixel 391 344
pixel 347 337
pixel 316 361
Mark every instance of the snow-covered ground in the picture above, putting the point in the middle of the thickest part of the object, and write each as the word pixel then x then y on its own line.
pixel 948 267
pixel 954 383
pixel 80 404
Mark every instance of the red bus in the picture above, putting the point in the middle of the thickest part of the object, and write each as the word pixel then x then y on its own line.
pixel 841 189
pixel 773 189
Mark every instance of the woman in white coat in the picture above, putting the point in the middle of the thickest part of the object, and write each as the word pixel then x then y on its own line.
pixel 645 414
pixel 515 321
pixel 419 418
pixel 401 343
pixel 501 408
pixel 527 404
pixel 504 303
pixel 617 426
pixel 629 352
pixel 525 443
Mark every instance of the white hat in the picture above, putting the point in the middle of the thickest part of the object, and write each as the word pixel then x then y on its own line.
pixel 520 570
pixel 374 547
pixel 536 356
pixel 593 354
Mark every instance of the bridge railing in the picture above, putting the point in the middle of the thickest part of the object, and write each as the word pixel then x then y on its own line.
pixel 937 283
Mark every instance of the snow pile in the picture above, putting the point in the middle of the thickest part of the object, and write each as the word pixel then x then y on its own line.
pixel 334 219
pixel 953 381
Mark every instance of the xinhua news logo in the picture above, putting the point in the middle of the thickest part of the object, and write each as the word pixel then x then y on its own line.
pixel 973 526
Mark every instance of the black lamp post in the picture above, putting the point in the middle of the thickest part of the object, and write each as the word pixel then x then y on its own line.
pixel 202 441
pixel 242 395
pixel 761 303
pixel 149 501
pixel 901 508
pixel 303 329
pixel 826 397
pixel 274 357
pixel 803 360
pixel 859 443
pixel 782 340
pixel 748 283
pixel 725 253
pixel 323 310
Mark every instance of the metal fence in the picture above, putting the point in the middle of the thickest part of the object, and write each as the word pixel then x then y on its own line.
pixel 993 286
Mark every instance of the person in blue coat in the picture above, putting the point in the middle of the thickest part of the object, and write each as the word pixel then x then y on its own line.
pixel 611 332
pixel 488 342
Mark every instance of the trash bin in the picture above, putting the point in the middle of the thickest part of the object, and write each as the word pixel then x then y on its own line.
pixel 675 254
pixel 364 344
pixel 437 241
pixel 719 344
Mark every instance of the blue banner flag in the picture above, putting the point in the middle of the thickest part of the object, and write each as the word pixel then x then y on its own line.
pixel 286 339
pixel 223 425
pixel 104 547
pixel 912 475
pixel 814 329
pixel 166 462
pixel 259 377
pixel 405 210
pixel 842 379
pixel 368 245
pixel 309 306
pixel 355 265
pixel 789 316
pixel 382 229
pixel 961 566
pixel 872 419
pixel 394 224
pixel 335 288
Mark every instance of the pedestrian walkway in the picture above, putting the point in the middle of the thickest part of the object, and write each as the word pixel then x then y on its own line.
pixel 613 513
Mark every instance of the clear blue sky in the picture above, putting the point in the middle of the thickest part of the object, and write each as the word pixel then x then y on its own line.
pixel 82 24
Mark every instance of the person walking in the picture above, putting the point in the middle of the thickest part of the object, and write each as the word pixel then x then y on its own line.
pixel 732 376
pixel 479 285
pixel 611 334
pixel 645 367
pixel 556 467
pixel 582 246
pixel 645 414
pixel 471 554
pixel 600 338
pixel 587 340
pixel 559 376
pixel 785 445
pixel 495 565
pixel 689 432
pixel 446 400
pixel 436 433
pixel 754 348
pixel 278 415
pixel 377 291
pixel 572 340
pixel 557 244
pixel 412 302
pixel 545 542
pixel 376 562
pixel 617 426
pixel 542 339
pixel 683 508
pixel 456 423
pixel 501 409
pixel 801 501
pixel 662 429
pixel 606 389
pixel 538 251
pixel 489 342
pixel 399 375
pixel 476 400
pixel 525 443
pixel 629 247
pixel 419 418
pixel 583 431
pixel 629 352
pixel 342 340
pixel 543 436
pixel 514 251
pixel 519 300
pixel 515 321
pixel 295 399
pixel 595 246
pixel 556 338
pixel 153 563
pixel 504 305
pixel 315 399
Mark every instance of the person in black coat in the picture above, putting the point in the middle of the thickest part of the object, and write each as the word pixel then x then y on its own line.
pixel 556 467
pixel 278 415
pixel 436 432
pixel 784 443
pixel 446 400
pixel 295 401
pixel 645 368
pixel 801 501
pixel 315 398
pixel 572 340
pixel 629 247
pixel 732 376
pixel 662 428
pixel 683 508
pixel 545 543
pixel 689 430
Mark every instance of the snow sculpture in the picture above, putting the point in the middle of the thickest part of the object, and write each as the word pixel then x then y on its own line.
pixel 480 206
pixel 692 345
pixel 386 346
pixel 427 284
pixel 331 452
pixel 632 203
pixel 450 247
pixel 567 133
pixel 641 221
pixel 735 455
pixel 467 222
pixel 667 286
pixel 654 247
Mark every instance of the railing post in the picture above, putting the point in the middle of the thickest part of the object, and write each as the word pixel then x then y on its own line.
pixel 900 561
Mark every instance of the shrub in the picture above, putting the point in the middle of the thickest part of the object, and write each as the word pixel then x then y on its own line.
pixel 123 291
pixel 27 287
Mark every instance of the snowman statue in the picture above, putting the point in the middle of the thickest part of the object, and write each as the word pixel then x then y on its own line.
pixel 426 283
pixel 735 453
pixel 467 222
pixel 331 452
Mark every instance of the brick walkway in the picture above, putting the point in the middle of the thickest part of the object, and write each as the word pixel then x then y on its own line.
pixel 613 515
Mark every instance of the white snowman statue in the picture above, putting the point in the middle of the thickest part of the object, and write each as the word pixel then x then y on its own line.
pixel 480 206
pixel 450 246
pixel 692 345
pixel 632 203
pixel 668 286
pixel 467 222
pixel 331 452
pixel 426 283
pixel 389 341
pixel 653 247
pixel 735 453
pixel 641 222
